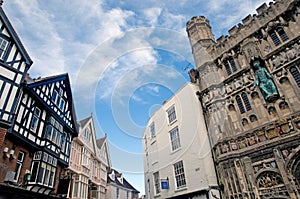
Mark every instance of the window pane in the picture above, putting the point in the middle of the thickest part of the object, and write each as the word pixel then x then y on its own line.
pixel 3 47
pixel 227 67
pixel 296 75
pixel 41 173
pixel 156 182
pixel 34 171
pixel 179 174
pixel 275 38
pixel 240 104
pixel 282 34
pixel 232 63
pixel 175 140
pixel 171 114
pixel 152 129
pixel 75 194
pixel 246 101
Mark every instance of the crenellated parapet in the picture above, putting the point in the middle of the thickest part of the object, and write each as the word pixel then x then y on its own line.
pixel 256 25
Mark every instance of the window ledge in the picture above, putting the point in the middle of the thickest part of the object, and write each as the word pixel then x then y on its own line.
pixel 180 189
pixel 175 151
pixel 171 123
pixel 157 195
pixel 153 141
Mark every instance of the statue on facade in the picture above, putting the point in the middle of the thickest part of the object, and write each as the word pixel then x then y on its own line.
pixel 264 80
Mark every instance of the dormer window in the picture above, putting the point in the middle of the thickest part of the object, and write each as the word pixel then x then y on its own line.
pixel 3 47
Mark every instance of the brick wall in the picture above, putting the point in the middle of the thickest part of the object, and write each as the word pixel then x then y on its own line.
pixel 9 164
pixel 2 137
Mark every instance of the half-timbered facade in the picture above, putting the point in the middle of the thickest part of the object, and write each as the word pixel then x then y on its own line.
pixel 39 141
pixel 14 64
pixel 88 164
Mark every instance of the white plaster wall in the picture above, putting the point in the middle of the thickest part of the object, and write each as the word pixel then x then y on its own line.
pixel 194 151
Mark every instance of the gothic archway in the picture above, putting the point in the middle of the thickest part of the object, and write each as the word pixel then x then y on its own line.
pixel 293 167
pixel 270 185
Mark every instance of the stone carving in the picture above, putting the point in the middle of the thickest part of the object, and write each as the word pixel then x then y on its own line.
pixel 264 80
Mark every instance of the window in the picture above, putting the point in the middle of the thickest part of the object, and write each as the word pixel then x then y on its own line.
pixel 118 192
pixel 230 65
pixel 171 114
pixel 152 130
pixel 3 47
pixel 19 165
pixel 246 101
pixel 75 193
pixel 57 98
pixel 296 75
pixel 175 140
pixel 85 156
pixel 278 36
pixel 243 103
pixel 156 182
pixel 87 134
pixel 43 169
pixel 35 119
pixel 54 132
pixel 179 175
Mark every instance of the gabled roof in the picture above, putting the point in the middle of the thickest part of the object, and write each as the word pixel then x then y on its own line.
pixel 84 121
pixel 84 124
pixel 56 78
pixel 100 142
pixel 15 36
pixel 125 183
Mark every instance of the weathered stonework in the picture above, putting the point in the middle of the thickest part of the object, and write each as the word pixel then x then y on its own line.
pixel 255 141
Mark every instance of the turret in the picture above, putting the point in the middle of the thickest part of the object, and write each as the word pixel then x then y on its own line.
pixel 199 32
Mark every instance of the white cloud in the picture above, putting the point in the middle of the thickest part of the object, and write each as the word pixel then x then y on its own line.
pixel 40 37
pixel 152 14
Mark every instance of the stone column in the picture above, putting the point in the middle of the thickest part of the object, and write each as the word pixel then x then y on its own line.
pixel 280 163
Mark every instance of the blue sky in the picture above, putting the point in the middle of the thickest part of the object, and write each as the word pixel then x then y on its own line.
pixel 124 58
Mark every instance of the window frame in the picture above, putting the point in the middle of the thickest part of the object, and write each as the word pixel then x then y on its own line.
pixel 45 169
pixel 35 119
pixel 3 52
pixel 295 72
pixel 156 182
pixel 175 139
pixel 152 130
pixel 278 36
pixel 171 114
pixel 179 175
pixel 19 165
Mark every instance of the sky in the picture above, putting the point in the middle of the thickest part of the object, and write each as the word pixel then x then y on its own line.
pixel 124 58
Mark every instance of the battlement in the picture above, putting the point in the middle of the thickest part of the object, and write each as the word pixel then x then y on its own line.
pixel 248 26
pixel 251 23
pixel 197 19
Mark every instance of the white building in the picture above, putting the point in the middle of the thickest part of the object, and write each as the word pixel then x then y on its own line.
pixel 177 156
pixel 118 187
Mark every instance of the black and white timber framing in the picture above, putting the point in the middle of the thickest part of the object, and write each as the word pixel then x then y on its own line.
pixel 14 64
pixel 46 115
